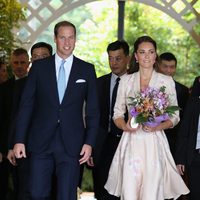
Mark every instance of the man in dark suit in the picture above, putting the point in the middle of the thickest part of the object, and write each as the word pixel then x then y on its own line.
pixel 195 90
pixel 50 119
pixel 188 147
pixel 19 62
pixel 3 72
pixel 38 51
pixel 109 135
pixel 167 65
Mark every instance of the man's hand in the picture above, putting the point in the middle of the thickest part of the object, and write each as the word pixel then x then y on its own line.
pixel 90 162
pixel 181 169
pixel 19 150
pixel 86 152
pixel 11 157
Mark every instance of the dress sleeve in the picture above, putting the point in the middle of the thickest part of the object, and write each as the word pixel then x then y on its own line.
pixel 173 100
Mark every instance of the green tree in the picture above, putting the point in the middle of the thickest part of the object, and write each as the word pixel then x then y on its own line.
pixel 170 36
pixel 11 13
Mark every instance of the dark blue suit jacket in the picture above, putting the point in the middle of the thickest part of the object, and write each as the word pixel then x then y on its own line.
pixel 187 135
pixel 40 111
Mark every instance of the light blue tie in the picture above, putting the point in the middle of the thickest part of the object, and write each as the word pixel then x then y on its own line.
pixel 61 81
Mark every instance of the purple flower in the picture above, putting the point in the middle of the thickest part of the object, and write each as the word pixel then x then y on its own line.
pixel 133 112
pixel 151 106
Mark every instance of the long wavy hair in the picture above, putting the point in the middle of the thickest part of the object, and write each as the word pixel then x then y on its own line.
pixel 133 64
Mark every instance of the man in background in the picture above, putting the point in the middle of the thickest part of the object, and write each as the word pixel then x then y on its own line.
pixel 188 146
pixel 109 135
pixel 38 51
pixel 3 72
pixel 167 64
pixel 41 50
pixel 19 63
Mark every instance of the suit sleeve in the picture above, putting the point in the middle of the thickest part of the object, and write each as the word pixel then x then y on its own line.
pixel 195 87
pixel 92 109
pixel 184 133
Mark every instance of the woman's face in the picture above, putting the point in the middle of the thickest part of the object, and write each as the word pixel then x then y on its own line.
pixel 146 55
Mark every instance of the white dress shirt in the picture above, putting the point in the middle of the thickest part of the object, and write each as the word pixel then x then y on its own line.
pixel 198 136
pixel 67 66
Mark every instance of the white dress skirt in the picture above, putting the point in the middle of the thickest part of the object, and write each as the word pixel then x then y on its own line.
pixel 143 169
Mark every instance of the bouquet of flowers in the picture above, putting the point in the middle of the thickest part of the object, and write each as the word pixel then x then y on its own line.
pixel 151 107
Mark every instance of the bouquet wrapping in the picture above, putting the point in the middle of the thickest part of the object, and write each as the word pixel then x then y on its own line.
pixel 151 107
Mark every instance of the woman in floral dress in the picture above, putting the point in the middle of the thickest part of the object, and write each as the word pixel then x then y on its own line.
pixel 143 167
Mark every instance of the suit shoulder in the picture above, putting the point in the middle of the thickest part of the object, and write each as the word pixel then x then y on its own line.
pixel 43 61
pixel 180 85
pixel 104 77
pixel 82 62
pixel 8 83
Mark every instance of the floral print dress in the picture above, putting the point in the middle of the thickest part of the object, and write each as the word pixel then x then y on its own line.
pixel 143 167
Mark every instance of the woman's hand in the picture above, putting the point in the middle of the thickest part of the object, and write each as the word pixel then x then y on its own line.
pixel 181 169
pixel 149 128
pixel 121 124
pixel 162 126
pixel 128 127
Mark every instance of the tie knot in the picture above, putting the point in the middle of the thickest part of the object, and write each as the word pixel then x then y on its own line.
pixel 62 62
pixel 117 80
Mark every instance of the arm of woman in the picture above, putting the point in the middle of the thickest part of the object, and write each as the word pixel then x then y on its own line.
pixel 171 91
pixel 121 105
pixel 121 124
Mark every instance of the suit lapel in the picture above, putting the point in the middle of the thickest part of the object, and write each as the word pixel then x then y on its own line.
pixel 107 91
pixel 72 79
pixel 51 72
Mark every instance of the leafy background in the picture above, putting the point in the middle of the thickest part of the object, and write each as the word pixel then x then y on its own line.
pixel 97 26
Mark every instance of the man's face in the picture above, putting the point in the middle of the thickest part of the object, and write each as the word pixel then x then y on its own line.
pixel 167 67
pixel 3 73
pixel 118 62
pixel 20 65
pixel 65 41
pixel 39 53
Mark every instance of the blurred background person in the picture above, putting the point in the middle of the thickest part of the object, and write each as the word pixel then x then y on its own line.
pixel 109 135
pixel 19 63
pixel 38 51
pixel 41 50
pixel 195 89
pixel 3 72
pixel 188 145
pixel 167 64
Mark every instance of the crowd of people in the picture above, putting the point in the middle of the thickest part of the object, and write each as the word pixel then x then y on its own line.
pixel 56 116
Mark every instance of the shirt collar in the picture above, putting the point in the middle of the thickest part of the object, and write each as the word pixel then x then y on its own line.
pixel 59 59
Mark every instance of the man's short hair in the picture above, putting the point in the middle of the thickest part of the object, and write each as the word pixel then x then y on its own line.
pixel 119 44
pixel 42 45
pixel 62 24
pixel 20 51
pixel 167 56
